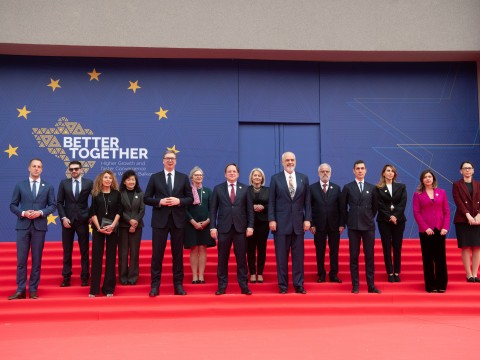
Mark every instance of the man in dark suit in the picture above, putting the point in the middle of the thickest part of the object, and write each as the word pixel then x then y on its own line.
pixel 359 209
pixel 168 192
pixel 326 222
pixel 72 205
pixel 32 201
pixel 289 215
pixel 232 219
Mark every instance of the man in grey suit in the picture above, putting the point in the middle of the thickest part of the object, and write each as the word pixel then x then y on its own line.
pixel 231 221
pixel 359 209
pixel 326 222
pixel 32 201
pixel 169 193
pixel 72 205
pixel 289 216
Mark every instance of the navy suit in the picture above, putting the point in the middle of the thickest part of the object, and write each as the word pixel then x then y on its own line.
pixel 359 211
pixel 289 214
pixel 76 210
pixel 165 220
pixel 31 233
pixel 326 218
pixel 231 222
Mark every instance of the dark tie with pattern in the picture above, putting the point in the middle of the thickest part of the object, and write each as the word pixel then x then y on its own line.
pixel 34 189
pixel 324 188
pixel 169 183
pixel 232 193
pixel 77 191
pixel 361 186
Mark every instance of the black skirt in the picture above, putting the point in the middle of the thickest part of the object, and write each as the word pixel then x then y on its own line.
pixel 467 235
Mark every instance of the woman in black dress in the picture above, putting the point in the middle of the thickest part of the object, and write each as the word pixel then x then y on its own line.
pixel 131 225
pixel 257 243
pixel 391 199
pixel 105 211
pixel 466 194
pixel 197 232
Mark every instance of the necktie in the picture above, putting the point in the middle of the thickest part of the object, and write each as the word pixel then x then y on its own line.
pixel 34 189
pixel 169 183
pixel 232 193
pixel 361 186
pixel 291 188
pixel 76 192
pixel 325 188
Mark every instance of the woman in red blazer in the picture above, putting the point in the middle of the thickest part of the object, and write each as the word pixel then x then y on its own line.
pixel 466 194
pixel 432 214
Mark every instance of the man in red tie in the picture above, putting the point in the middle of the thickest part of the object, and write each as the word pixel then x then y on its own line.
pixel 232 218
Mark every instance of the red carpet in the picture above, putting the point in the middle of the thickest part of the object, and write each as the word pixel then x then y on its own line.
pixel 405 298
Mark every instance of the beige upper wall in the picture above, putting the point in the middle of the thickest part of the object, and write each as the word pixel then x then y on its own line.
pixel 291 25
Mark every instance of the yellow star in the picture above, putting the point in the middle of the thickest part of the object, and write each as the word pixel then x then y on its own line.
pixel 11 151
pixel 51 219
pixel 94 75
pixel 90 229
pixel 54 84
pixel 134 86
pixel 162 113
pixel 173 149
pixel 23 111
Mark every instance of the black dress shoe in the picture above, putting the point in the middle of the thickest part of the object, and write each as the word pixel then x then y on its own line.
pixel 374 290
pixel 154 292
pixel 18 295
pixel 300 290
pixel 355 290
pixel 335 279
pixel 477 279
pixel 246 291
pixel 133 282
pixel 471 279
pixel 396 277
pixel 33 295
pixel 85 282
pixel 65 283
pixel 283 291
pixel 195 282
pixel 321 278
pixel 201 282
pixel 179 291
pixel 123 283
pixel 220 292
pixel 391 278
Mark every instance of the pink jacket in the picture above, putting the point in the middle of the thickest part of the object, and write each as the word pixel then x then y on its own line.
pixel 431 214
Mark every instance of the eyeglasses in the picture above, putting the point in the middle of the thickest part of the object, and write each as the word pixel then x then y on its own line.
pixel 73 169
pixel 197 174
pixel 467 168
pixel 169 158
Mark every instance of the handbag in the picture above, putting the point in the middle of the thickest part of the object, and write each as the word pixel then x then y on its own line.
pixel 106 222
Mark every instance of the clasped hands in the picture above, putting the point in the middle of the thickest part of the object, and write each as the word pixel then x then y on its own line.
pixel 170 201
pixel 32 214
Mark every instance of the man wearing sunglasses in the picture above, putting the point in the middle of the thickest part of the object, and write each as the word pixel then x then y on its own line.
pixel 72 206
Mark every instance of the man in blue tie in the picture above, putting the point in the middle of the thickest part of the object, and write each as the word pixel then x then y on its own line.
pixel 72 205
pixel 32 201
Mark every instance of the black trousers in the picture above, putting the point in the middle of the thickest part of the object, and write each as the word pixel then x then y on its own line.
pixel 320 240
pixel 434 261
pixel 129 244
pixel 83 243
pixel 257 248
pixel 355 237
pixel 392 238
pixel 99 241
pixel 283 244
pixel 225 241
pixel 159 243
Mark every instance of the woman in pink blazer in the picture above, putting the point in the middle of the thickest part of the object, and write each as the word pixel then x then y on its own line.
pixel 432 214
pixel 466 194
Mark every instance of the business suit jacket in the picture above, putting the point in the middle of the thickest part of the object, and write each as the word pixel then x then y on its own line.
pixel 359 209
pixel 384 201
pixel 134 210
pixel 287 212
pixel 223 214
pixel 157 190
pixel 431 214
pixel 22 200
pixel 464 202
pixel 326 209
pixel 76 210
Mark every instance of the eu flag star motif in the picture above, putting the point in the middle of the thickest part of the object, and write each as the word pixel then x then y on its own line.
pixel 51 219
pixel 23 112
pixel 11 151
pixel 54 84
pixel 173 149
pixel 162 113
pixel 134 86
pixel 94 75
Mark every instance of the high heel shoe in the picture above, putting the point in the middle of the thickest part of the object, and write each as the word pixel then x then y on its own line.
pixel 253 279
pixel 260 279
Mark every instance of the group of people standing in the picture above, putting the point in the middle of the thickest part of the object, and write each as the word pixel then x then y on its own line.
pixel 197 218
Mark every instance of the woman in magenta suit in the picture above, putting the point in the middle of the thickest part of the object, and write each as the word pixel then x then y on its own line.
pixel 432 214
pixel 466 194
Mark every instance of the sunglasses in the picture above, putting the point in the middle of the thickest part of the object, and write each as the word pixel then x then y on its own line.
pixel 74 169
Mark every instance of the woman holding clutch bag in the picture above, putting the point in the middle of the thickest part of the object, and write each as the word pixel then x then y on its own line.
pixel 105 211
